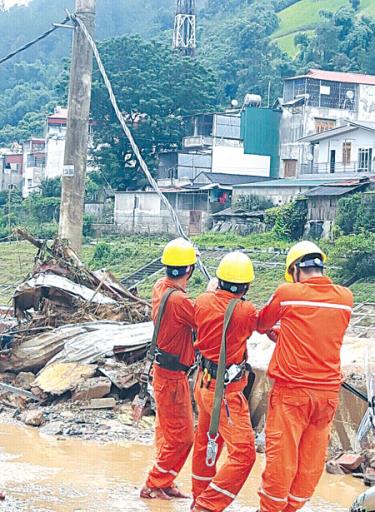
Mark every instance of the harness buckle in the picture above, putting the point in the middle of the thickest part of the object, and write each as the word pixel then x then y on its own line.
pixel 212 450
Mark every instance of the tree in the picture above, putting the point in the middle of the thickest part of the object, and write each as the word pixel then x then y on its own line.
pixel 155 88
pixel 355 4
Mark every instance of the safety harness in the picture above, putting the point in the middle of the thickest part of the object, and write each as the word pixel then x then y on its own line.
pixel 160 357
pixel 224 376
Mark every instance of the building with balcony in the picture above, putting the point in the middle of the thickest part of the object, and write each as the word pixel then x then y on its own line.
pixel 317 102
pixel 213 143
pixel 34 164
pixel 55 142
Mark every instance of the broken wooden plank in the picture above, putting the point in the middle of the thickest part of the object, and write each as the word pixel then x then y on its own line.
pixel 18 391
pixel 100 403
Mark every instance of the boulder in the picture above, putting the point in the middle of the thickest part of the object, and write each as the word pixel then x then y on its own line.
pixel 92 388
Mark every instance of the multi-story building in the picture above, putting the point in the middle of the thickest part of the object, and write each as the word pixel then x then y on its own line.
pixel 55 142
pixel 318 102
pixel 213 143
pixel 11 165
pixel 34 164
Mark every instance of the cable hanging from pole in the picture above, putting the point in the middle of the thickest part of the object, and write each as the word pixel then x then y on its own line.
pixel 133 144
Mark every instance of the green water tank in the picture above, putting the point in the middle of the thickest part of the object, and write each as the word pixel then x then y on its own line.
pixel 260 130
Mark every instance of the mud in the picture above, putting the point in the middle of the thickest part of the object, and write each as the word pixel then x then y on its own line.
pixel 41 473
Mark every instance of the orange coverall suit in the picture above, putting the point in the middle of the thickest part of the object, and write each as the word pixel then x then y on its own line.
pixel 214 490
pixel 307 376
pixel 174 414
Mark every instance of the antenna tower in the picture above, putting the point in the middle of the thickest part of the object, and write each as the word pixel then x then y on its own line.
pixel 184 35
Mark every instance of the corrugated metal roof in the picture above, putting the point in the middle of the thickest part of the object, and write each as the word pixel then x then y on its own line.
pixel 341 130
pixel 334 76
pixel 231 179
pixel 288 182
pixel 329 191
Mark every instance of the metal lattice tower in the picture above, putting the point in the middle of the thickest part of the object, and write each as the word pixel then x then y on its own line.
pixel 184 35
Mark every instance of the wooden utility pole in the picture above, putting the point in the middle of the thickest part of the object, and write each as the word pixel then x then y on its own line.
pixel 76 144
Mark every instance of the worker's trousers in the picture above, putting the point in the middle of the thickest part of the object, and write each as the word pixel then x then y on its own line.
pixel 297 435
pixel 215 490
pixel 174 426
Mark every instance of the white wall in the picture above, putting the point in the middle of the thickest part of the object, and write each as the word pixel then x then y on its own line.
pixel 233 160
pixel 366 107
pixel 279 195
pixel 359 139
pixel 55 157
pixel 147 202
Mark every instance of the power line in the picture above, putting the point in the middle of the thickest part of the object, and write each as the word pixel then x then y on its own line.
pixel 133 144
pixel 34 41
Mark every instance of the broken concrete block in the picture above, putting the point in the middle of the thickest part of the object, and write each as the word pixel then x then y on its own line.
pixel 33 417
pixel 349 462
pixel 24 380
pixel 100 403
pixel 61 377
pixel 92 388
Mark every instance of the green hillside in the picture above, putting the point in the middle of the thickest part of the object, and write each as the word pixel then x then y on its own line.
pixel 304 16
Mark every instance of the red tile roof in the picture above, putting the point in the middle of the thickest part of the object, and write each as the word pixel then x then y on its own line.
pixel 335 76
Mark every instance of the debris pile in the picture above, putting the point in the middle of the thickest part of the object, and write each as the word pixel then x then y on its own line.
pixel 79 336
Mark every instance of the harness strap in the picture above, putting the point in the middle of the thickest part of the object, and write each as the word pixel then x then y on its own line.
pixel 212 447
pixel 150 358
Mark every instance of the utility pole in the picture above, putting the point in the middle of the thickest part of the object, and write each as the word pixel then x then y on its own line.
pixel 77 135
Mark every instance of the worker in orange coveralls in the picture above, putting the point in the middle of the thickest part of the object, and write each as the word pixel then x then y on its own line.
pixel 314 315
pixel 174 358
pixel 215 490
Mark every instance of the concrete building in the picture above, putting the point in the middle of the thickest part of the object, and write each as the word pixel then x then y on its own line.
pixel 317 102
pixel 55 142
pixel 34 163
pixel 213 143
pixel 347 151
pixel 11 170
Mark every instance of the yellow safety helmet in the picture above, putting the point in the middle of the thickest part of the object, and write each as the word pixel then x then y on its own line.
pixel 236 268
pixel 179 253
pixel 297 252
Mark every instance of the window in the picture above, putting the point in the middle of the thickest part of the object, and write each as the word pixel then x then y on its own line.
pixel 324 89
pixel 346 153
pixel 29 183
pixel 365 159
pixel 323 125
pixel 290 168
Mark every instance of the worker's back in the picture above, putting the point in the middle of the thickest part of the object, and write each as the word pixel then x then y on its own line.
pixel 314 316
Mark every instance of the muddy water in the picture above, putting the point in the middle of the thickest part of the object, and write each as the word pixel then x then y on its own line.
pixel 41 473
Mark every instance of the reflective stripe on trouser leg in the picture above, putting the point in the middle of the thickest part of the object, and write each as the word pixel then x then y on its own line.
pixel 176 430
pixel 239 440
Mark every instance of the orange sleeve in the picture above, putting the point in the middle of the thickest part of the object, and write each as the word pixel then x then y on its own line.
pixel 185 312
pixel 252 318
pixel 270 314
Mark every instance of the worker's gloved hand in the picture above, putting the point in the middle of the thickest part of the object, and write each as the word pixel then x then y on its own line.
pixel 213 285
pixel 273 334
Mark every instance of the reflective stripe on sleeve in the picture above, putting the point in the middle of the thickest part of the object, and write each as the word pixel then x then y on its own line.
pixel 222 491
pixel 272 498
pixel 313 304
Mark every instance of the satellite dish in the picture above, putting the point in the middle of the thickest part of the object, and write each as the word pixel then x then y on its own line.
pixel 234 103
pixel 309 157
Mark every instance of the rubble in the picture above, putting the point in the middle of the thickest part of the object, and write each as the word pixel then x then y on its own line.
pixel 97 387
pixel 100 403
pixel 24 380
pixel 33 417
pixel 59 378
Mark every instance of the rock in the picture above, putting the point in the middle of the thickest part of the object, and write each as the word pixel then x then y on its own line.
pixel 333 468
pixel 92 388
pixel 53 428
pixel 349 462
pixel 58 378
pixel 100 403
pixel 24 380
pixel 33 417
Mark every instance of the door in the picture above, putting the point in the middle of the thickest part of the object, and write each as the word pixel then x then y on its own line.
pixel 332 161
pixel 290 168
pixel 195 222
